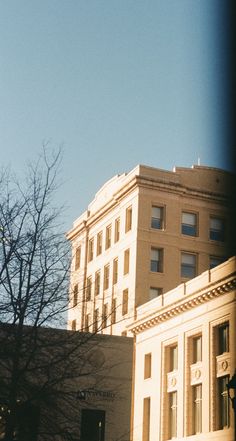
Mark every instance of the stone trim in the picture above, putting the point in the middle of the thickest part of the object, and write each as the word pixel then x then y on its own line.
pixel 184 306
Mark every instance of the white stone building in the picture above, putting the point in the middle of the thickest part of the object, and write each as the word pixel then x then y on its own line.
pixel 185 353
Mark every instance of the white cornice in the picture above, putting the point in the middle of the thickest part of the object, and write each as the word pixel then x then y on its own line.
pixel 184 305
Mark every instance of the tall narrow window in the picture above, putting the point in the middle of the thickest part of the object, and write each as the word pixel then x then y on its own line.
pixel 156 260
pixel 87 323
pixel 223 402
pixel 95 320
pixel 197 349
pixel 88 288
pixel 99 243
pixel 223 339
pixel 77 257
pixel 90 250
pixel 75 295
pixel 188 265
pixel 128 219
pixel 217 229
pixel 126 262
pixel 104 315
pixel 125 302
pixel 73 325
pixel 197 409
pixel 113 311
pixel 115 271
pixel 173 415
pixel 189 224
pixel 157 218
pixel 147 366
pixel 173 358
pixel 117 230
pixel 146 419
pixel 97 282
pixel 108 237
pixel 106 277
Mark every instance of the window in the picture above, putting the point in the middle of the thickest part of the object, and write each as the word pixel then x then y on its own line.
pixel 154 292
pixel 95 320
pixel 173 358
pixel 73 325
pixel 99 243
pixel 108 237
pixel 75 295
pixel 126 262
pixel 97 282
pixel 189 224
pixel 115 270
pixel 125 302
pixel 214 261
pixel 147 366
pixel 157 218
pixel 223 338
pixel 188 265
pixel 88 288
pixel 146 419
pixel 87 323
pixel 173 415
pixel 77 258
pixel 197 349
pixel 197 409
pixel 156 260
pixel 106 277
pixel 90 250
pixel 128 219
pixel 217 229
pixel 113 311
pixel 223 402
pixel 117 230
pixel 105 315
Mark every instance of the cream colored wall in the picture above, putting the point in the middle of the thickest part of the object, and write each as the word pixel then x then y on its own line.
pixel 127 241
pixel 153 339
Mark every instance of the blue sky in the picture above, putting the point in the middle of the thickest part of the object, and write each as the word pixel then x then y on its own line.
pixel 117 82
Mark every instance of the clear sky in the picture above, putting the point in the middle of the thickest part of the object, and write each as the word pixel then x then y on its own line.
pixel 117 82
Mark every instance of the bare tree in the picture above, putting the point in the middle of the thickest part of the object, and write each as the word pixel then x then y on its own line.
pixel 41 369
pixel 34 270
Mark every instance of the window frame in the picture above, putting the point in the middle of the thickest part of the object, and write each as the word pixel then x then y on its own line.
pixel 117 230
pixel 99 243
pixel 97 284
pixel 185 267
pixel 126 261
pixel 108 237
pixel 215 234
pixel 128 219
pixel 77 257
pixel 88 288
pixel 125 302
pixel 190 229
pixel 157 223
pixel 156 266
pixel 90 249
pixel 106 277
pixel 115 271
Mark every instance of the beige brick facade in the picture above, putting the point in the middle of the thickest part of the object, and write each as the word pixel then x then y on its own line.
pixel 143 234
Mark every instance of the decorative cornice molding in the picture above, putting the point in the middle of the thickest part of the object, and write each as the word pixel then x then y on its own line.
pixel 183 306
